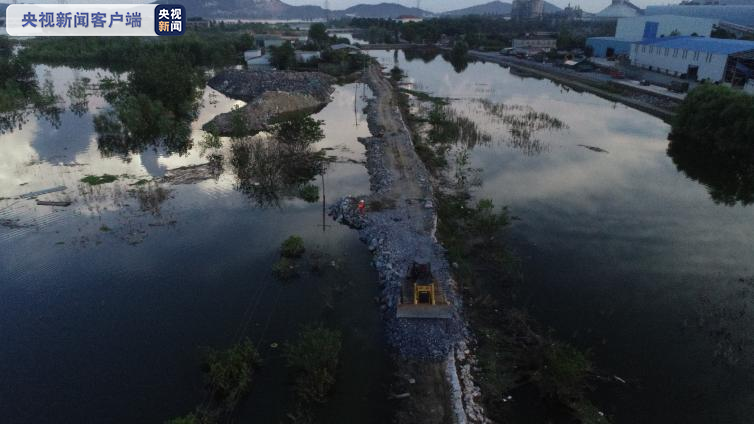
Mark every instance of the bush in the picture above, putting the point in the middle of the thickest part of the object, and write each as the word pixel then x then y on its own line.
pixel 314 359
pixel 292 247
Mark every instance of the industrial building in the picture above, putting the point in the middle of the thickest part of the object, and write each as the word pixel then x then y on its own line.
pixel 632 30
pixel 697 58
pixel 534 43
pixel 736 14
pixel 527 9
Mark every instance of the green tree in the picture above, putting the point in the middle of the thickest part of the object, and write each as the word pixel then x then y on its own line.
pixel 318 35
pixel 299 133
pixel 718 117
pixel 283 57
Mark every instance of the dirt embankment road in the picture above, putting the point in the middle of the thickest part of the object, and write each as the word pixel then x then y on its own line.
pixel 432 384
pixel 411 186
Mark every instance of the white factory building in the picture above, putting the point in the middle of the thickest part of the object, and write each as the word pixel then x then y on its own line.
pixel 659 26
pixel 697 58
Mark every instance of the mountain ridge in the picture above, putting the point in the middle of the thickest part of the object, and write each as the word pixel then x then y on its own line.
pixel 277 9
pixel 495 7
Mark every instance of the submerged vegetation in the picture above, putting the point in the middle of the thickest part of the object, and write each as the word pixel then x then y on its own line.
pixel 227 373
pixel 309 193
pixel 281 165
pixel 146 109
pixel 313 359
pixel 711 141
pixel 227 378
pixel 292 247
pixel 94 180
pixel 512 352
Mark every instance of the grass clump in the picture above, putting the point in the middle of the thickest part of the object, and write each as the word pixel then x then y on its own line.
pixel 227 373
pixel 186 419
pixel 94 180
pixel 564 371
pixel 309 193
pixel 292 247
pixel 313 359
pixel 425 97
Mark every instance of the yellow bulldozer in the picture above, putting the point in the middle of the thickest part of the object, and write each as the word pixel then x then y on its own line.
pixel 421 295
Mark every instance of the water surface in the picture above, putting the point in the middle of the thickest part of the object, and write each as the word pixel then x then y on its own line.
pixel 623 253
pixel 104 304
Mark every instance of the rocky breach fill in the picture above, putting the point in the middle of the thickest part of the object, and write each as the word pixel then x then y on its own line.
pixel 270 95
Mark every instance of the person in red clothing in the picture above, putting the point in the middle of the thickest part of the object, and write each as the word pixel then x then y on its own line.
pixel 362 206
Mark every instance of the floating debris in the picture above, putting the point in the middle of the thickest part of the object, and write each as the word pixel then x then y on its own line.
pixel 54 203
pixel 34 194
pixel 593 148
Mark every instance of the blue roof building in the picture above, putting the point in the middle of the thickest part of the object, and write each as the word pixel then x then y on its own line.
pixel 695 58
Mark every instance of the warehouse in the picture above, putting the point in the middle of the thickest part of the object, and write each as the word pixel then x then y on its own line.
pixel 695 58
pixel 632 30
pixel 737 14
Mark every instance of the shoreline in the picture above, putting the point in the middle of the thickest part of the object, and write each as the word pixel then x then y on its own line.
pixel 649 104
pixel 584 84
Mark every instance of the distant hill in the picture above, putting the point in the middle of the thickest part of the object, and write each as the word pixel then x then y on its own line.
pixel 383 10
pixel 492 8
pixel 551 8
pixel 276 9
pixel 496 7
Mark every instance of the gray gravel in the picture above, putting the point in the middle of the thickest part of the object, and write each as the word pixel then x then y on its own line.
pixel 248 85
pixel 391 236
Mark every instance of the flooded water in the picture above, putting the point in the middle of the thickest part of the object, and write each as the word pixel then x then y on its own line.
pixel 104 303
pixel 644 260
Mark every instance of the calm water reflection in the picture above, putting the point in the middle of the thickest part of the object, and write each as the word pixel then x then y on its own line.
pixel 622 254
pixel 104 303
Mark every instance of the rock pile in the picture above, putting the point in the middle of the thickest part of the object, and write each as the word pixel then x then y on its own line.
pixel 270 95
pixel 248 85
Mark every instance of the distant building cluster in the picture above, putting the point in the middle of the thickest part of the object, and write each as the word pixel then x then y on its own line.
pixel 527 9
